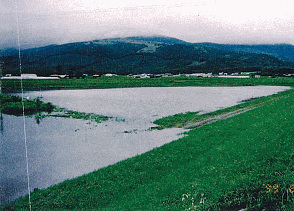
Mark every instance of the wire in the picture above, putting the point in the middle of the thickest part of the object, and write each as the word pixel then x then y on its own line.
pixel 23 109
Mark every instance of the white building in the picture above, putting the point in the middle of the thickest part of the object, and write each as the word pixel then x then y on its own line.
pixel 28 76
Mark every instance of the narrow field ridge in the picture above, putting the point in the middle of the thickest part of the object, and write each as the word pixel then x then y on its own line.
pixel 216 118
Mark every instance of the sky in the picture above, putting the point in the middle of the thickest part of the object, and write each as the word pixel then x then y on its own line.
pixel 43 22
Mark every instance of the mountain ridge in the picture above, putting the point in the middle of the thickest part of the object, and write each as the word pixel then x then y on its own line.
pixel 283 51
pixel 150 54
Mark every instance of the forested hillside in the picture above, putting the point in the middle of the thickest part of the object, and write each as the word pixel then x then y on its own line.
pixel 148 55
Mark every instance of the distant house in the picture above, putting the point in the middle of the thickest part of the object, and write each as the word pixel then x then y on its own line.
pixel 54 75
pixel 58 76
pixel 62 76
pixel 144 75
pixel 29 76
pixel 233 76
pixel 96 76
pixel 206 75
pixel 136 76
pixel 177 75
pixel 157 76
pixel 85 75
pixel 109 75
pixel 288 75
pixel 193 75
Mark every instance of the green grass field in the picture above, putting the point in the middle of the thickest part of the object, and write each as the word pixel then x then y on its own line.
pixel 123 82
pixel 182 119
pixel 245 161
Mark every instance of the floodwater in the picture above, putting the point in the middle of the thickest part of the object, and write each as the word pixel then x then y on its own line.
pixel 60 148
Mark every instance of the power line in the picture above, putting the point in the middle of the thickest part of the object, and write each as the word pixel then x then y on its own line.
pixel 23 110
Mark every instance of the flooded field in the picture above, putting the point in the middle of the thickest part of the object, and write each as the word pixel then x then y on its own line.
pixel 60 148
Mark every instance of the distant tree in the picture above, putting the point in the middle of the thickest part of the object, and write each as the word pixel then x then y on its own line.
pixel 90 72
pixel 189 71
pixel 78 74
pixel 59 69
pixel 70 74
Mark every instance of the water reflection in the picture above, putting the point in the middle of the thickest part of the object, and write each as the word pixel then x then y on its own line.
pixel 63 148
pixel 37 118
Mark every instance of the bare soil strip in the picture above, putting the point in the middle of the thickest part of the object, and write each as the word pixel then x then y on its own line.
pixel 216 118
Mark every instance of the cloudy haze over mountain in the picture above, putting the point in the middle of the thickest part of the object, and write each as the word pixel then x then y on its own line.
pixel 44 22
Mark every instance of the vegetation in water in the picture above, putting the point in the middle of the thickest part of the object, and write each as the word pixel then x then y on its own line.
pixel 131 131
pixel 245 161
pixel 14 105
pixel 82 115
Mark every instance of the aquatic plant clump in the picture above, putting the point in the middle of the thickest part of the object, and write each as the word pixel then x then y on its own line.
pixel 82 115
pixel 14 105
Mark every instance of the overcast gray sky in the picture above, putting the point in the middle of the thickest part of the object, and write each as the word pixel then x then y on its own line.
pixel 43 22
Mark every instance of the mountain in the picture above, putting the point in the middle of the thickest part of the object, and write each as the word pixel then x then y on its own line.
pixel 284 52
pixel 147 55
pixel 160 40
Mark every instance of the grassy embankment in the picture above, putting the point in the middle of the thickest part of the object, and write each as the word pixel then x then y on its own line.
pixel 243 161
pixel 122 82
pixel 183 119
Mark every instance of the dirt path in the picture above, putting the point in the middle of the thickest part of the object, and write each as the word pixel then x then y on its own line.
pixel 216 118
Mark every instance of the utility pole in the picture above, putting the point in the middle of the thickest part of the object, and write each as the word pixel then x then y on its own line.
pixel 1 66
pixel 1 117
